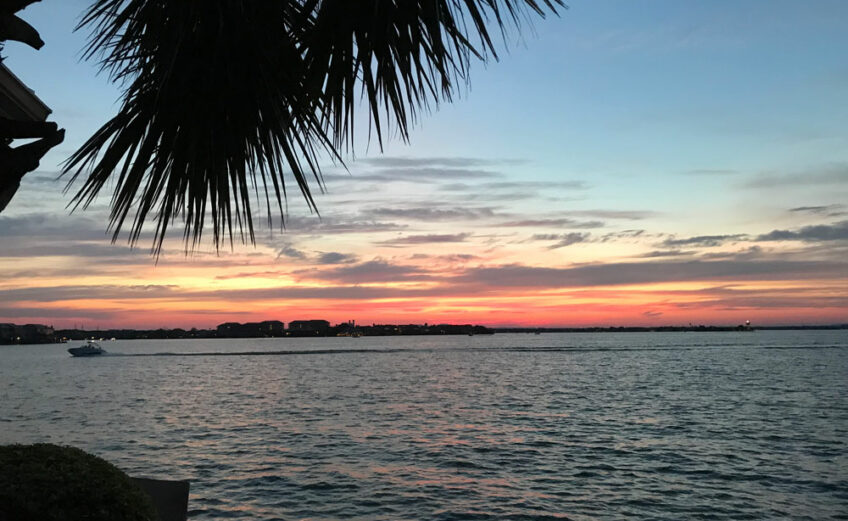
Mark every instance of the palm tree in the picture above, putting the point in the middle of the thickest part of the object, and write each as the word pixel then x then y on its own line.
pixel 224 99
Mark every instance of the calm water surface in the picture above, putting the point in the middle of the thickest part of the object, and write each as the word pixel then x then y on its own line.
pixel 552 426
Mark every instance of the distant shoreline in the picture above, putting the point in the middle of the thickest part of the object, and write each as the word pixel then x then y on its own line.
pixel 662 329
pixel 66 335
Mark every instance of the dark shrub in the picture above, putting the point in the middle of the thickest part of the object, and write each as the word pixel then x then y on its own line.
pixel 47 482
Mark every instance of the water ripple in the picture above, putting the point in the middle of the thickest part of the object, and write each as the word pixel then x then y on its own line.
pixel 633 426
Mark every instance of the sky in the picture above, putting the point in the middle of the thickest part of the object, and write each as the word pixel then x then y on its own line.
pixel 627 163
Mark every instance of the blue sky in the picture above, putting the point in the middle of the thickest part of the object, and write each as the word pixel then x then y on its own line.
pixel 694 118
pixel 623 89
pixel 643 87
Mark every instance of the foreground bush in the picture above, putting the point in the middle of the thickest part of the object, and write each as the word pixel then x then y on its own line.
pixel 46 482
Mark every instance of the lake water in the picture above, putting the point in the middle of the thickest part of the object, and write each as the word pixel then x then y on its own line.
pixel 552 426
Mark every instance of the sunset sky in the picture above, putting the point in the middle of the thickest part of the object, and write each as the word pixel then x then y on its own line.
pixel 629 163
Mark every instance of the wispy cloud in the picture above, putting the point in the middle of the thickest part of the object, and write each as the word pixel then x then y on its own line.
pixel 624 235
pixel 377 270
pixel 46 312
pixel 567 239
pixel 648 272
pixel 331 257
pixel 101 291
pixel 415 175
pixel 271 274
pixel 664 253
pixel 430 214
pixel 573 184
pixel 551 223
pixel 513 186
pixel 822 232
pixel 454 257
pixel 50 226
pixel 836 173
pixel 830 210
pixel 291 252
pixel 95 252
pixel 331 225
pixel 458 162
pixel 426 239
pixel 627 215
pixel 562 239
pixel 749 253
pixel 334 257
pixel 703 240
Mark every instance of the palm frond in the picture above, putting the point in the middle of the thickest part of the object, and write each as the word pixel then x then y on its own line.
pixel 400 56
pixel 225 98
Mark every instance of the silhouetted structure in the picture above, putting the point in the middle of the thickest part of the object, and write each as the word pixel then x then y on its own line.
pixel 268 328
pixel 22 114
pixel 26 334
pixel 132 334
pixel 309 328
pixel 418 329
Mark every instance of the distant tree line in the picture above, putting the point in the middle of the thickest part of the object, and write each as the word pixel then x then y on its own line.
pixel 40 334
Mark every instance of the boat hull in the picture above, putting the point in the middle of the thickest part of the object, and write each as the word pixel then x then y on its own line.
pixel 84 351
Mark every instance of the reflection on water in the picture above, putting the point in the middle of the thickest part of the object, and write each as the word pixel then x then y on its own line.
pixel 631 426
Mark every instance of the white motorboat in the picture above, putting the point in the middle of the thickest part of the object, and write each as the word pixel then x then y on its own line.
pixel 90 348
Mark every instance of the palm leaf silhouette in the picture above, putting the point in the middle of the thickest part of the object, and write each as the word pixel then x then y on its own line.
pixel 226 101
